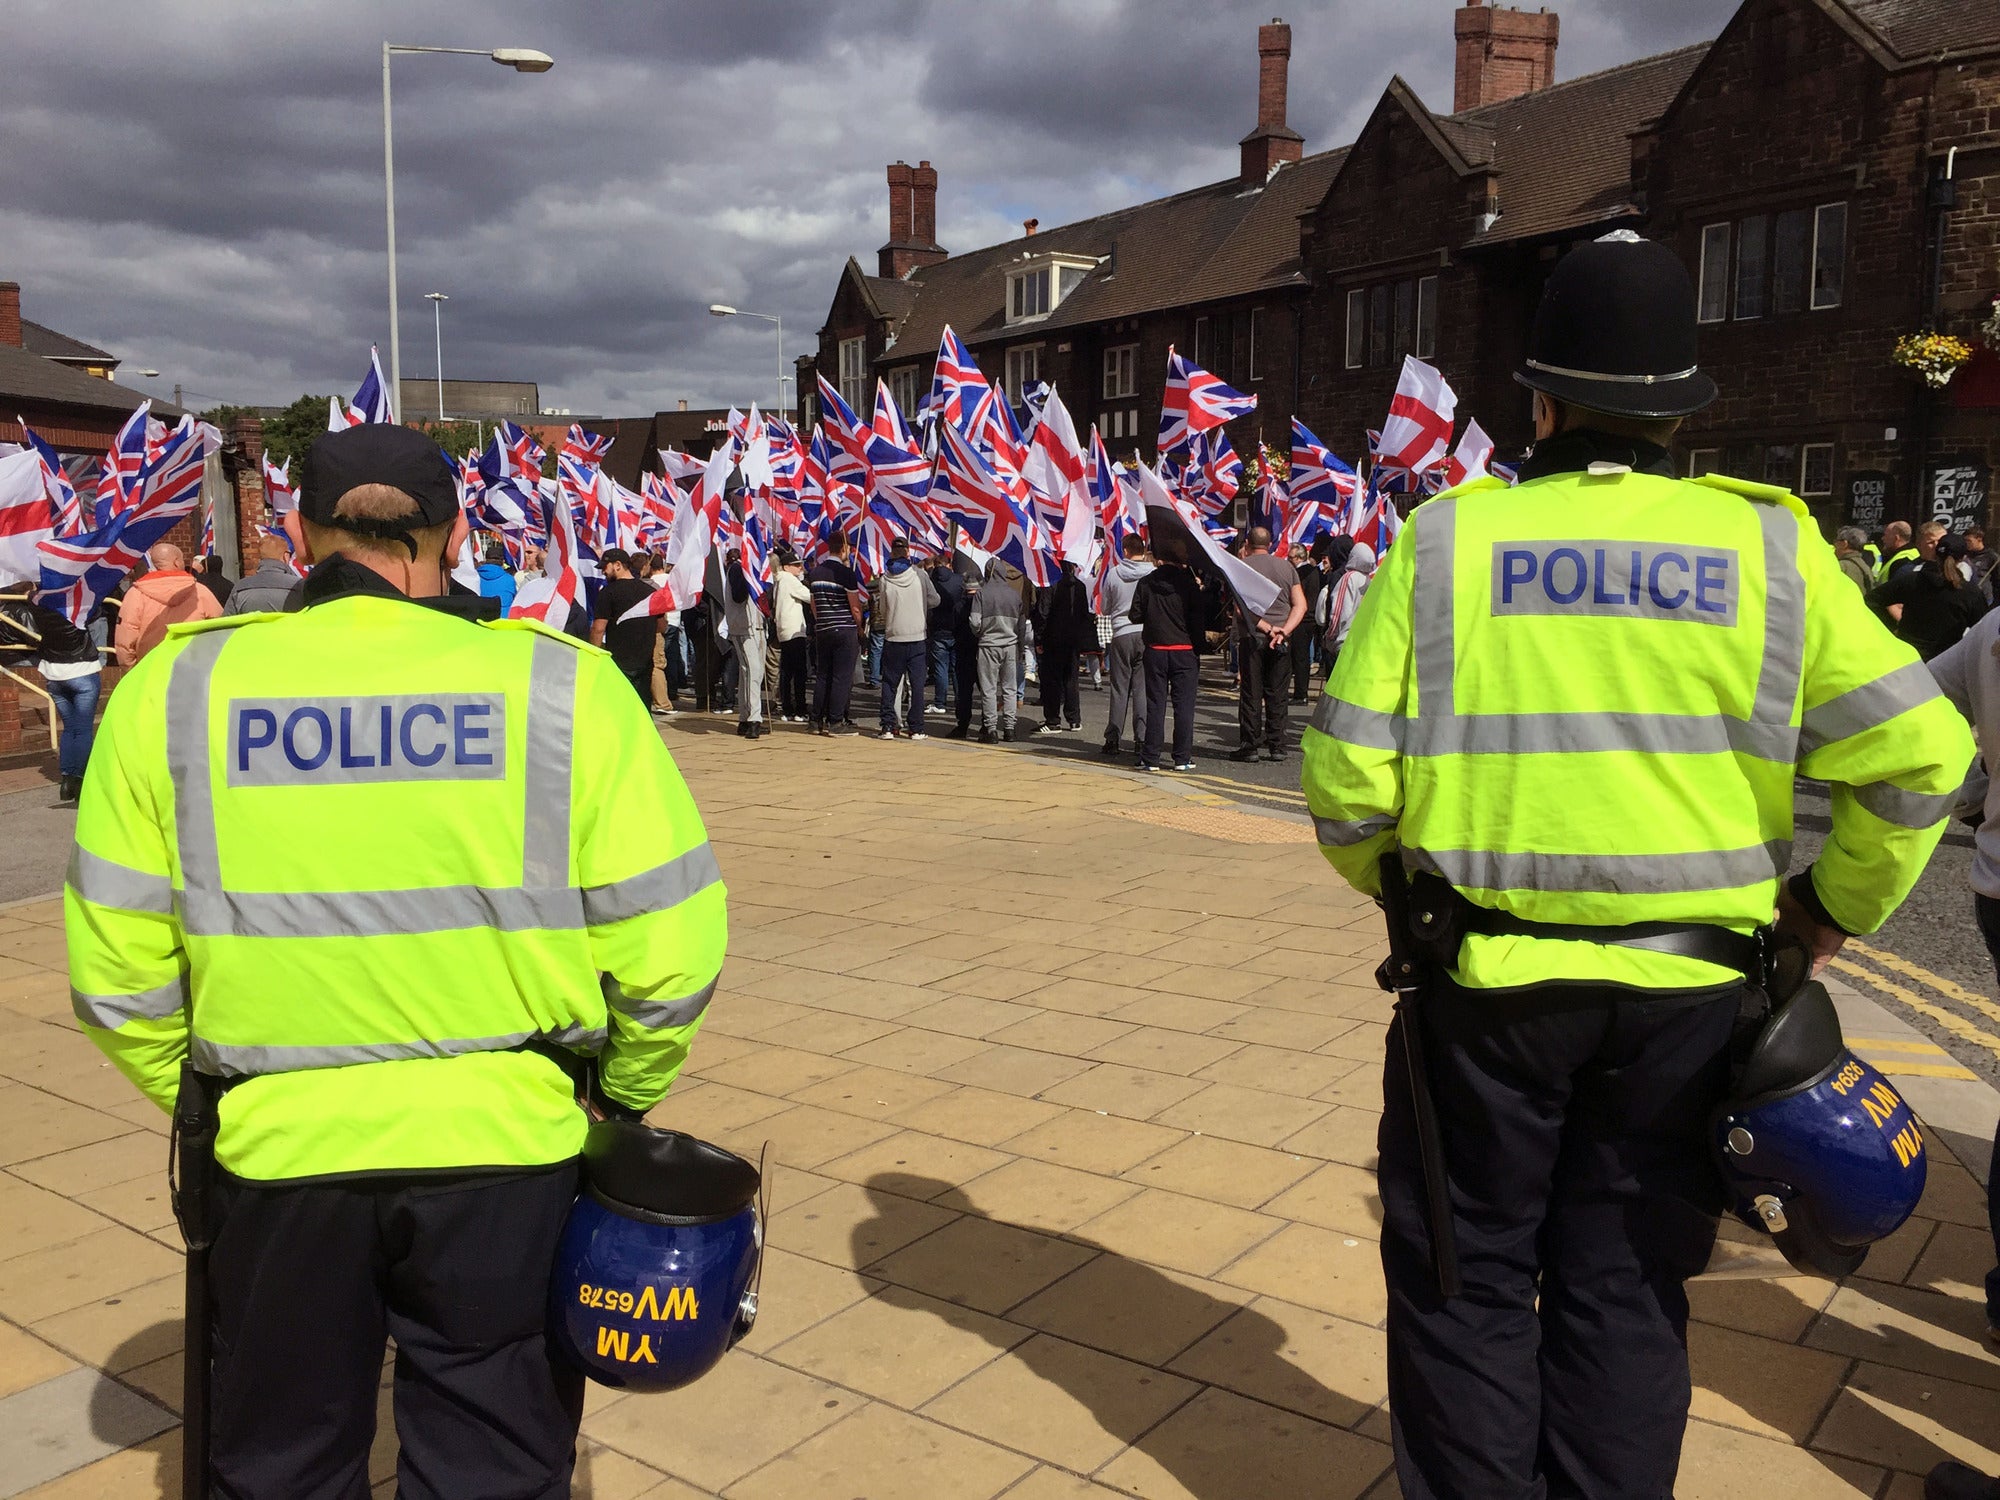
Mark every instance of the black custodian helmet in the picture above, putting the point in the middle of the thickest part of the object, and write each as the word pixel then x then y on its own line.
pixel 1615 332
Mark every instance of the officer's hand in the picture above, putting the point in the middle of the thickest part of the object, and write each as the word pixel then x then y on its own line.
pixel 1795 921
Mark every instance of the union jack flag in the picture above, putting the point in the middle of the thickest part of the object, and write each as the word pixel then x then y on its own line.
pixel 992 508
pixel 1213 475
pixel 124 463
pixel 279 491
pixel 77 571
pixel 291 553
pixel 871 537
pixel 1054 468
pixel 1317 475
pixel 370 403
pixel 585 448
pixel 1196 401
pixel 1271 506
pixel 549 597
pixel 1115 510
pixel 889 423
pixel 1375 520
pixel 205 544
pixel 957 383
pixel 900 486
pixel 65 509
pixel 849 437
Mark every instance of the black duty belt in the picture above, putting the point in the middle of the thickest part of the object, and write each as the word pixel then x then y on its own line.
pixel 1746 953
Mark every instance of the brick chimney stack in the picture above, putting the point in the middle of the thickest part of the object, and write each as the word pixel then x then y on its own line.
pixel 10 314
pixel 1273 141
pixel 912 220
pixel 1502 53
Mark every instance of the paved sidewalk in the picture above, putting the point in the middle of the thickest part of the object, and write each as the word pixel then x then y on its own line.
pixel 1069 1079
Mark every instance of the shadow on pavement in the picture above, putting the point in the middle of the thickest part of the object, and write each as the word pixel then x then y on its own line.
pixel 1210 1461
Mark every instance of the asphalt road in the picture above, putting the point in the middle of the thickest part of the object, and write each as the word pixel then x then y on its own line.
pixel 1928 965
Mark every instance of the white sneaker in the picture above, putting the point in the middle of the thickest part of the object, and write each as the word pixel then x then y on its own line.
pixel 919 735
pixel 887 734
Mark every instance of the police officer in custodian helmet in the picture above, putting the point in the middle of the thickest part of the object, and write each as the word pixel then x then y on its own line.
pixel 1574 710
pixel 353 865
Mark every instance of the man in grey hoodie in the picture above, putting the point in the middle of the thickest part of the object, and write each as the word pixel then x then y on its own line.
pixel 1126 656
pixel 269 586
pixel 903 599
pixel 997 611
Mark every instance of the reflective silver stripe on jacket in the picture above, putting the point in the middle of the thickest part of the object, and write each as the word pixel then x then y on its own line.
pixel 109 1012
pixel 1438 728
pixel 105 882
pixel 1608 874
pixel 1892 804
pixel 655 1015
pixel 235 1062
pixel 545 899
pixel 1862 708
pixel 1340 834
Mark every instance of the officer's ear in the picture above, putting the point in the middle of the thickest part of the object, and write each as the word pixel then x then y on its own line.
pixel 1548 416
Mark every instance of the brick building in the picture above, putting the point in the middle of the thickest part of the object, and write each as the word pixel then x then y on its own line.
pixel 1828 169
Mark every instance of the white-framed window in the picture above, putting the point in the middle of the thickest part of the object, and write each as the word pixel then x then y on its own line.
pixel 1714 291
pixel 1829 255
pixel 808 411
pixel 1024 367
pixel 1028 294
pixel 903 389
pixel 1357 327
pixel 1781 464
pixel 1703 461
pixel 1816 469
pixel 1121 372
pixel 1427 316
pixel 854 373
pixel 1256 343
pixel 1118 424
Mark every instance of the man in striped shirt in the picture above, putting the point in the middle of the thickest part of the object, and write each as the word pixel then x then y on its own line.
pixel 836 609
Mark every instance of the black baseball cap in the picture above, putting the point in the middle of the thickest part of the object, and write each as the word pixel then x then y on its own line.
pixel 378 453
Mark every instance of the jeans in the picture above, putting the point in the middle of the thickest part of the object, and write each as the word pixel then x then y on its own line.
pixel 750 675
pixel 903 661
pixel 1126 657
pixel 873 673
pixel 76 705
pixel 794 672
pixel 1264 695
pixel 674 641
pixel 940 651
pixel 1170 675
pixel 835 651
pixel 999 689
pixel 965 668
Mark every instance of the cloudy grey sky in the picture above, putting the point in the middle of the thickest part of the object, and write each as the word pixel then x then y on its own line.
pixel 197 184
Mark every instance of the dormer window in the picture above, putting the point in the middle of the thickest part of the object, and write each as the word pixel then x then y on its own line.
pixel 1037 288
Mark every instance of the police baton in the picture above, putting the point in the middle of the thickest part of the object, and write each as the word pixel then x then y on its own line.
pixel 191 1174
pixel 1403 974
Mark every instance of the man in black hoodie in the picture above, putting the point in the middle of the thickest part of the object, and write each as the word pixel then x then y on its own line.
pixel 1167 605
pixel 942 629
pixel 1061 628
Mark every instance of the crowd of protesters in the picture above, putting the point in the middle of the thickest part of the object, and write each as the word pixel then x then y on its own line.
pixel 943 638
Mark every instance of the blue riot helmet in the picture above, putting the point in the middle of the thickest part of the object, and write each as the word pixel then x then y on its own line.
pixel 655 1277
pixel 1816 1148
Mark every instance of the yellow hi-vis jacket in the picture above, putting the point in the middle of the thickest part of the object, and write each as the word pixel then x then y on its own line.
pixel 1583 700
pixel 356 857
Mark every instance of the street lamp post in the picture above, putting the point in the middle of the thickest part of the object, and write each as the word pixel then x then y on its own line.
pixel 437 301
pixel 724 310
pixel 521 60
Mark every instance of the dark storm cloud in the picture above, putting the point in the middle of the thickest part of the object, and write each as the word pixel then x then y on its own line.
pixel 197 184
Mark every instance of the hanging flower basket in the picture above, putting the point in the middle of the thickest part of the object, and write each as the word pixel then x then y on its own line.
pixel 1990 329
pixel 1935 356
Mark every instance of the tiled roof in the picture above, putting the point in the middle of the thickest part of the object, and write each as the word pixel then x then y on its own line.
pixel 1210 242
pixel 52 345
pixel 1563 153
pixel 1918 29
pixel 27 376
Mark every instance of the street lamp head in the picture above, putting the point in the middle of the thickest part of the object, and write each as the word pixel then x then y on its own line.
pixel 437 296
pixel 721 310
pixel 150 374
pixel 523 59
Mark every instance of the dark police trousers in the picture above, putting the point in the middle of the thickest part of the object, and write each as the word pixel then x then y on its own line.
pixel 1575 1126
pixel 308 1281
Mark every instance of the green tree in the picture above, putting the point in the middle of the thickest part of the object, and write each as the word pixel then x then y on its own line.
pixel 456 438
pixel 290 432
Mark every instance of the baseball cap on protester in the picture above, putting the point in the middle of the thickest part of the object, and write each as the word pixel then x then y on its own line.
pixel 378 453
pixel 1615 332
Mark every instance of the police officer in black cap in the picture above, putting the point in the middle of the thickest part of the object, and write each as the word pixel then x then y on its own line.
pixel 1560 745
